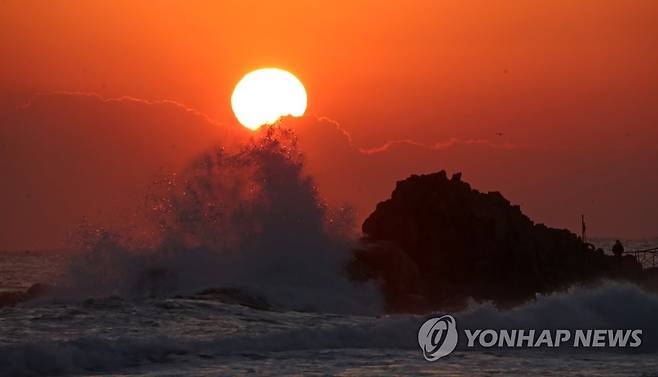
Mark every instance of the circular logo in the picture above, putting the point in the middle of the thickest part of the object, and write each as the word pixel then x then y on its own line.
pixel 437 337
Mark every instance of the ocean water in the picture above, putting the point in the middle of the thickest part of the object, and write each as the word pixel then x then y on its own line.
pixel 21 269
pixel 250 220
pixel 207 336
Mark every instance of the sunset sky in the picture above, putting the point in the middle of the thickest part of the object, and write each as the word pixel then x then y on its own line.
pixel 553 103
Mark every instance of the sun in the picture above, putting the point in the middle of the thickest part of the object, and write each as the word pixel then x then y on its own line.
pixel 265 95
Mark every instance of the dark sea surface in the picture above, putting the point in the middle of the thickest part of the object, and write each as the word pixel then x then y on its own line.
pixel 207 336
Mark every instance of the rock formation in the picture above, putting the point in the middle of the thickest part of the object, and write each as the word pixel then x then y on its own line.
pixel 437 242
pixel 14 298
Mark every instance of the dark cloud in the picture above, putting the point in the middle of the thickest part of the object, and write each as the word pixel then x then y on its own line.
pixel 436 145
pixel 64 156
pixel 69 155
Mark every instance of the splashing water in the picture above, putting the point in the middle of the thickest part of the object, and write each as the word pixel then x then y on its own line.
pixel 247 218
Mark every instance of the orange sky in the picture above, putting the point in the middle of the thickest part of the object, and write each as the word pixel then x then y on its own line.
pixel 571 85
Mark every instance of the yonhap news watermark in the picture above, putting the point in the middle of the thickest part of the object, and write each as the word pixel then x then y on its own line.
pixel 439 336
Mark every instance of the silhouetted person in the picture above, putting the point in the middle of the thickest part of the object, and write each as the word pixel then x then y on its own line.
pixel 618 249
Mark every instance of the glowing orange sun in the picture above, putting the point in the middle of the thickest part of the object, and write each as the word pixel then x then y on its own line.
pixel 265 95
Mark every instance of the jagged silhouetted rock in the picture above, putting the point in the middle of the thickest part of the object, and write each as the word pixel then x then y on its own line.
pixel 437 242
pixel 14 298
